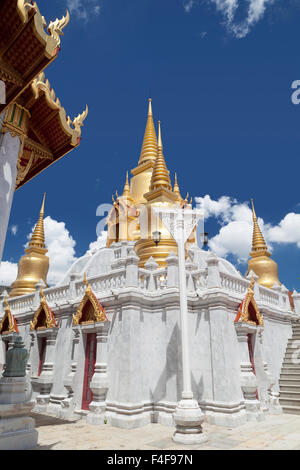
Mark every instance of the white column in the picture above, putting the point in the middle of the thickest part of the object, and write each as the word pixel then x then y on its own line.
pixel 213 273
pixel 172 270
pixel 9 152
pixel 248 378
pixel 296 298
pixel 188 416
pixel 99 383
pixel 132 261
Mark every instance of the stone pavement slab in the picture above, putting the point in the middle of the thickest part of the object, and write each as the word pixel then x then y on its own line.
pixel 280 432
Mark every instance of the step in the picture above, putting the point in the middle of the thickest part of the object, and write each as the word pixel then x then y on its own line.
pixel 293 410
pixel 289 364
pixel 293 395
pixel 289 376
pixel 290 369
pixel 289 388
pixel 291 348
pixel 289 401
pixel 291 355
pixel 284 382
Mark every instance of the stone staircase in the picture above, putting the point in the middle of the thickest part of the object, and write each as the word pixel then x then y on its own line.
pixel 290 375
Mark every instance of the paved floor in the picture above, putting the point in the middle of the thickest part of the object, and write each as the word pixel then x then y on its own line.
pixel 276 432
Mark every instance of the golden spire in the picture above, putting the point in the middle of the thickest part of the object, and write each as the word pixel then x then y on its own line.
pixel 34 265
pixel 258 241
pixel 176 190
pixel 160 176
pixel 149 147
pixel 126 190
pixel 38 236
pixel 260 262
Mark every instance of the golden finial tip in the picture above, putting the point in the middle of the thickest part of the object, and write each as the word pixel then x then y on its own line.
pixel 43 204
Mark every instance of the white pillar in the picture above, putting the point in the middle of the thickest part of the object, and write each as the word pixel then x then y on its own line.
pixel 248 378
pixel 99 383
pixel 296 298
pixel 132 261
pixel 9 152
pixel 213 273
pixel 188 416
pixel 172 270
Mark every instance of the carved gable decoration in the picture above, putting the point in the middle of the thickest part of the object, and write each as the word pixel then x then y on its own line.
pixel 44 317
pixel 248 310
pixel 90 310
pixel 8 323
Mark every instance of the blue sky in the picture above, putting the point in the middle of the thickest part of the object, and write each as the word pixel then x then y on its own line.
pixel 229 126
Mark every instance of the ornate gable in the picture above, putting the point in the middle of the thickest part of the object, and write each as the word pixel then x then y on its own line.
pixel 44 317
pixel 248 310
pixel 8 323
pixel 90 310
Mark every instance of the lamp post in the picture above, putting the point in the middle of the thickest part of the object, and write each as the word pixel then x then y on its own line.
pixel 204 239
pixel 188 416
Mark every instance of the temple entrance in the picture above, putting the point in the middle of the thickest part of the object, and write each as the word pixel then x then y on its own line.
pixel 89 368
pixel 42 354
pixel 251 356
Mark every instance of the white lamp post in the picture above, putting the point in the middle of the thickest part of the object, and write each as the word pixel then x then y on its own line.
pixel 188 416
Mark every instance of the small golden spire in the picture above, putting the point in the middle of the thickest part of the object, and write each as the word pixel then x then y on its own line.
pixel 176 190
pixel 126 190
pixel 38 236
pixel 260 261
pixel 160 176
pixel 149 147
pixel 34 265
pixel 258 241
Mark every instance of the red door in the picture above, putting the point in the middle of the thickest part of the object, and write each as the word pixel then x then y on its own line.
pixel 89 367
pixel 42 355
pixel 250 348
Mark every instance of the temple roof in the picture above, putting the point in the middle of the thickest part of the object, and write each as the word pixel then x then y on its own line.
pixel 48 132
pixel 25 47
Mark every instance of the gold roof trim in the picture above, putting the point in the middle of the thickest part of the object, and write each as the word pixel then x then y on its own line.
pixel 244 314
pixel 73 128
pixel 98 312
pixel 12 325
pixel 49 316
pixel 54 29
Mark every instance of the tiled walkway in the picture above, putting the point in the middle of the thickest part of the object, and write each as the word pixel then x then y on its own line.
pixel 276 432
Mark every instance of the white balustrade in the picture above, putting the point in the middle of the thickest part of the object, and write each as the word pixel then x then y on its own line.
pixel 234 284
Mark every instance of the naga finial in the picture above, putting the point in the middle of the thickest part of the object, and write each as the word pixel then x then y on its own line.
pixel 78 120
pixel 55 27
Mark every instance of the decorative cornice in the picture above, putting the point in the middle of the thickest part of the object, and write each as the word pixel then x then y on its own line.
pixel 12 324
pixel 49 316
pixel 244 314
pixel 98 312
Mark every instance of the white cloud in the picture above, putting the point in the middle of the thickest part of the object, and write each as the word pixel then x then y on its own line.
pixel 8 273
pixel 60 245
pixel 235 234
pixel 188 5
pixel 14 229
pixel 99 243
pixel 229 10
pixel 84 9
pixel 287 231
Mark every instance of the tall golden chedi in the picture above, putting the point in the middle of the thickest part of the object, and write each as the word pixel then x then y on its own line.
pixel 34 265
pixel 260 262
pixel 150 186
